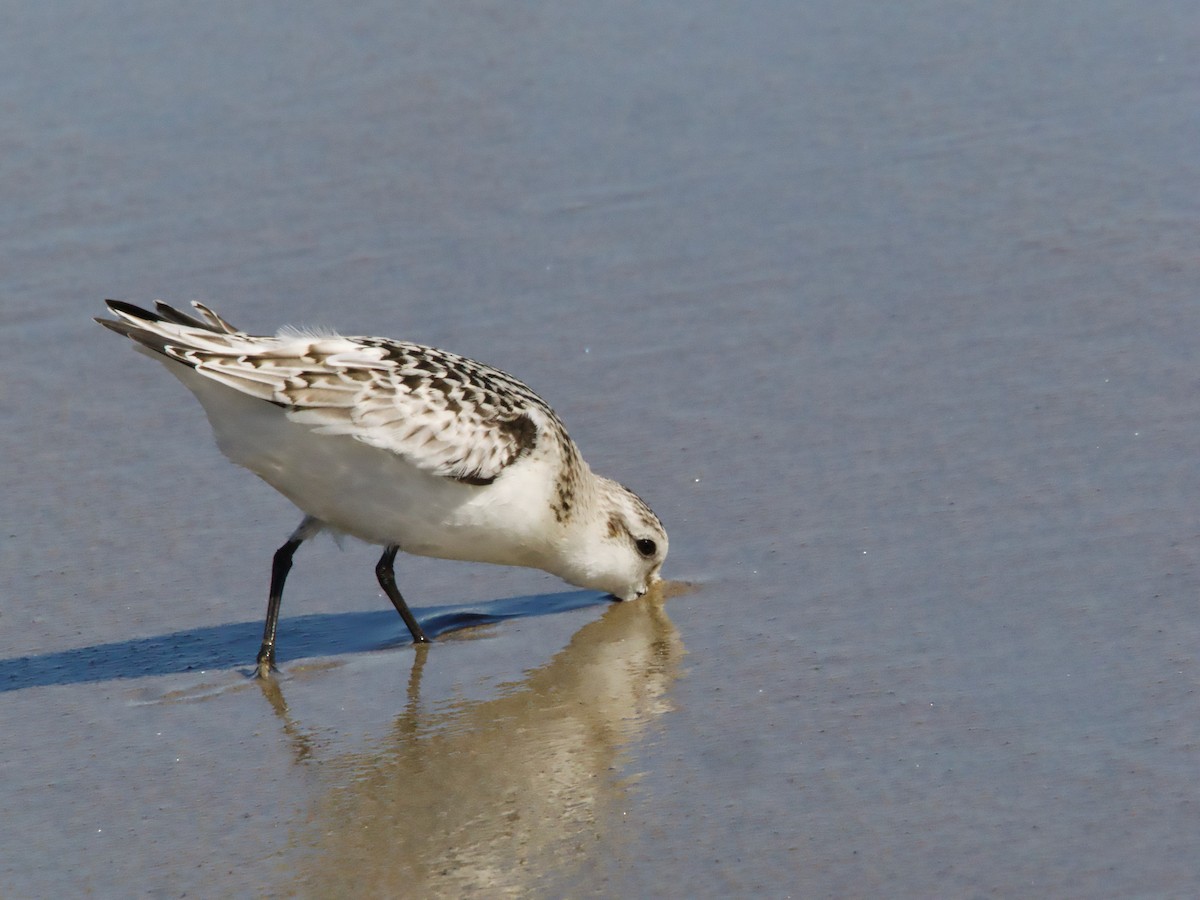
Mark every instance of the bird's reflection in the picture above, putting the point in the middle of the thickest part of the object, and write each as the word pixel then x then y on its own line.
pixel 490 796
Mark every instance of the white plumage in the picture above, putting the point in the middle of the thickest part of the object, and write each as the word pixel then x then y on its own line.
pixel 405 446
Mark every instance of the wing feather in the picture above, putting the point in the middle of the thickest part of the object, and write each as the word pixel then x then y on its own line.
pixel 443 413
pixel 417 408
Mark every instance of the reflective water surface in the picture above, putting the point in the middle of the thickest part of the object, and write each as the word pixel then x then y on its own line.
pixel 496 795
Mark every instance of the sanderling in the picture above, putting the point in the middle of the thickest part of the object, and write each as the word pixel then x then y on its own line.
pixel 404 446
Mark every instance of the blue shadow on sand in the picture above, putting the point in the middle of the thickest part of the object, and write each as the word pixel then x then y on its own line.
pixel 235 645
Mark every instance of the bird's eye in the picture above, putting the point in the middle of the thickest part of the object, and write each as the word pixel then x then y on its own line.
pixel 646 547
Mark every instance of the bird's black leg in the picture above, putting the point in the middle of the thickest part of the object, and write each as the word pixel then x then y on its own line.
pixel 280 566
pixel 387 580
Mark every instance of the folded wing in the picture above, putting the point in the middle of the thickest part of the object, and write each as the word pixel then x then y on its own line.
pixel 443 413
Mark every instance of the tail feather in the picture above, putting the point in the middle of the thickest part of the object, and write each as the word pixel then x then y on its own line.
pixel 130 312
pixel 215 322
pixel 144 336
pixel 163 312
pixel 171 314
pixel 160 330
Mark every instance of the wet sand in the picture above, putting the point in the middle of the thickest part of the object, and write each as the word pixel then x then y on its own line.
pixel 889 313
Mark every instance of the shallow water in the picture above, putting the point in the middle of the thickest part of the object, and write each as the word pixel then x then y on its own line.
pixel 890 313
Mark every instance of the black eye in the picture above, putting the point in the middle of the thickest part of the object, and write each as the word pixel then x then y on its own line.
pixel 646 547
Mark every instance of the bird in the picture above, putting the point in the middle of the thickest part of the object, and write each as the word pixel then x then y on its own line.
pixel 403 446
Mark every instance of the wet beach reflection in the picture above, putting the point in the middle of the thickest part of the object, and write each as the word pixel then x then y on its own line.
pixel 491 795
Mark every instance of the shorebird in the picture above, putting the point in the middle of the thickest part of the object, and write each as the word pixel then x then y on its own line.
pixel 403 446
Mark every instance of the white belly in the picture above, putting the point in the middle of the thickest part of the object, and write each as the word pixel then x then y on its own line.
pixel 377 496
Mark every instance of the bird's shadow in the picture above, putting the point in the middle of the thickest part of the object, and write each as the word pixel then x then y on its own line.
pixel 234 645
